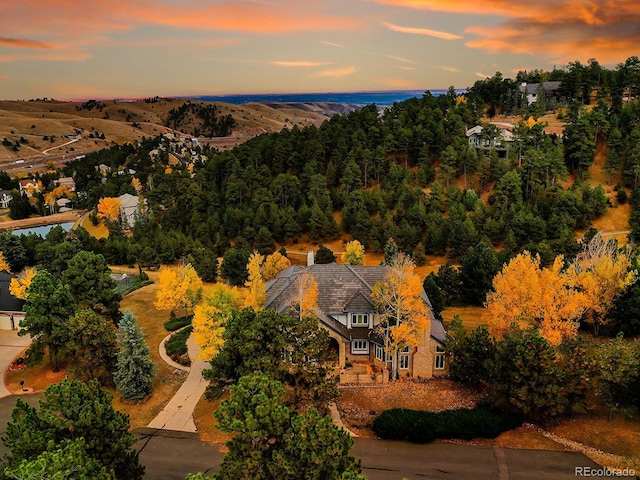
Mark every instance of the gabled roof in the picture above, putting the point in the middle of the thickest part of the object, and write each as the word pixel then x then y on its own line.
pixel 128 201
pixel 8 303
pixel 359 303
pixel 341 288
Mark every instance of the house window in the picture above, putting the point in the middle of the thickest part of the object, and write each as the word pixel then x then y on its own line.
pixel 359 320
pixel 379 352
pixel 404 361
pixel 360 346
pixel 439 358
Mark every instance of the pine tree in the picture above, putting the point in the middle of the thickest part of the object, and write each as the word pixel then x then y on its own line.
pixel 73 412
pixel 135 369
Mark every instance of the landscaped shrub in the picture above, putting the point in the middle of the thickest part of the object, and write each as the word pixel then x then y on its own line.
pixel 176 323
pixel 176 346
pixel 418 426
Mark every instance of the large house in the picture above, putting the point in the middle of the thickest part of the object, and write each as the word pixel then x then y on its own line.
pixel 531 91
pixel 129 209
pixel 11 308
pixel 346 311
pixel 501 141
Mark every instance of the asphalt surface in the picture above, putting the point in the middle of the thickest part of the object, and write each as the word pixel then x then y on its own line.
pixel 171 455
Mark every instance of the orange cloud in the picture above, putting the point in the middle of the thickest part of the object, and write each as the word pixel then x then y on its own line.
pixel 338 72
pixel 422 31
pixel 561 30
pixel 23 43
pixel 296 64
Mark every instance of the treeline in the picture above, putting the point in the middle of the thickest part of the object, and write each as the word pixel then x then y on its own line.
pixel 577 82
pixel 200 119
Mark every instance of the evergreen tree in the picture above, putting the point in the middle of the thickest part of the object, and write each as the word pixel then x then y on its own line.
pixel 478 268
pixel 73 411
pixel 324 255
pixel 92 341
pixel 390 251
pixel 434 294
pixel 89 280
pixel 134 370
pixel 48 308
pixel 525 375
pixel 274 442
pixel 234 266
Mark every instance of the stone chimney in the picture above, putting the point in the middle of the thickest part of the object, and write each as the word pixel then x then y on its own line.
pixel 310 258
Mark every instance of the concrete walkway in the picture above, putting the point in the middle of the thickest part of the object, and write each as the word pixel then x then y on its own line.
pixel 11 345
pixel 178 413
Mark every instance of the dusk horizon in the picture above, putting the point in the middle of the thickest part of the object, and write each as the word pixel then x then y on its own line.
pixel 76 50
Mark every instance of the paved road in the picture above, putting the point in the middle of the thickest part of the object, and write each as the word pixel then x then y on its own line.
pixel 11 345
pixel 171 455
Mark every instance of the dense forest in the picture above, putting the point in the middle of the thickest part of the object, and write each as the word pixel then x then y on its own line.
pixel 407 172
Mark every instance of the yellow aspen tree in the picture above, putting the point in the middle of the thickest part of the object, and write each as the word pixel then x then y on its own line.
pixel 604 273
pixel 178 288
pixel 528 296
pixel 353 253
pixel 403 313
pixel 274 263
pixel 304 300
pixel 3 264
pixel 210 317
pixel 256 295
pixel 136 184
pixel 19 286
pixel 109 209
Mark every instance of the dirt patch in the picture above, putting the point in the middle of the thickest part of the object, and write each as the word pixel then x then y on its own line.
pixel 359 405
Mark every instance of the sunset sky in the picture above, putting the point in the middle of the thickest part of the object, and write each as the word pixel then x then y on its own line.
pixel 139 48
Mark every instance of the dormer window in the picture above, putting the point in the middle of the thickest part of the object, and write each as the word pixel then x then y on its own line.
pixel 359 319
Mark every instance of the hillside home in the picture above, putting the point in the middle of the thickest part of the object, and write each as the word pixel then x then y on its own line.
pixel 11 308
pixel 346 311
pixel 28 186
pixel 531 91
pixel 129 209
pixel 501 142
pixel 68 182
pixel 5 198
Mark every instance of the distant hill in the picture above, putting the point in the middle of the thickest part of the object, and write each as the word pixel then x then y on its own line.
pixel 27 129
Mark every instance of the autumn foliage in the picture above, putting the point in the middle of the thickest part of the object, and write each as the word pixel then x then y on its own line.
pixel 405 316
pixel 256 295
pixel 109 208
pixel 179 288
pixel 604 273
pixel 19 286
pixel 273 264
pixel 305 297
pixel 210 317
pixel 353 253
pixel 529 296
pixel 3 264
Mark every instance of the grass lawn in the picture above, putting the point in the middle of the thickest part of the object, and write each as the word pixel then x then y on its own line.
pixel 471 316
pixel 166 383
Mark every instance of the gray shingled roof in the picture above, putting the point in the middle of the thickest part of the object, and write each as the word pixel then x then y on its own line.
pixel 341 288
pixel 8 303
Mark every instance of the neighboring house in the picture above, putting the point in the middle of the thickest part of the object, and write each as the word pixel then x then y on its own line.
pixel 5 198
pixel 346 310
pixel 501 142
pixel 129 209
pixel 68 182
pixel 64 205
pixel 28 186
pixel 533 90
pixel 11 308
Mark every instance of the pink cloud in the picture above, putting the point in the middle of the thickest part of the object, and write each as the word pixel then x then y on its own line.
pixel 338 72
pixel 422 31
pixel 24 43
pixel 297 64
